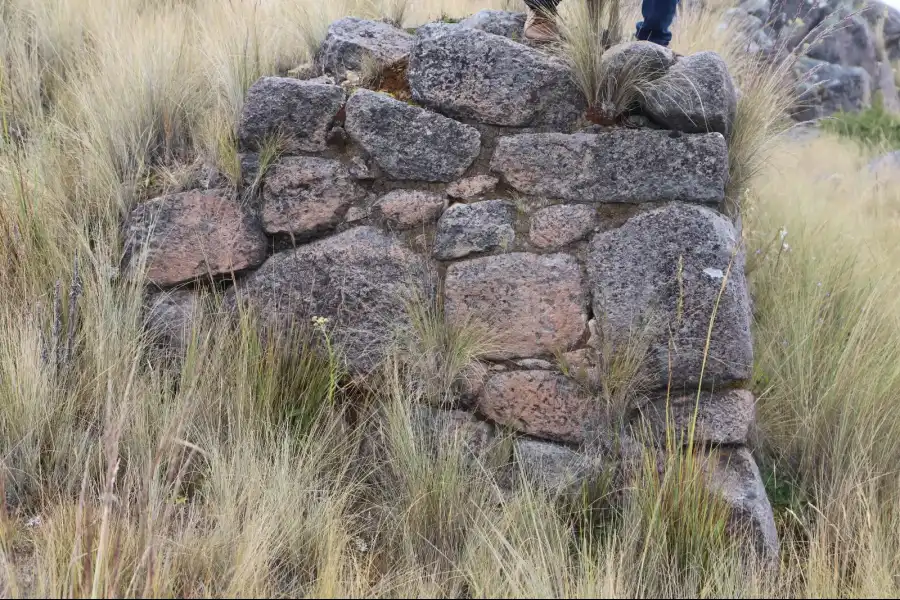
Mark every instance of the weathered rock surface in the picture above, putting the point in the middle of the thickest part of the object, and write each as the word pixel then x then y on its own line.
pixel 350 39
pixel 498 22
pixel 848 42
pixel 530 304
pixel 696 95
pixel 557 469
pixel 409 142
pixel 298 113
pixel 721 418
pixel 472 187
pixel 478 227
pixel 471 74
pixel 540 403
pixel 657 280
pixel 600 167
pixel 359 279
pixel 193 234
pixel 735 477
pixel 405 209
pixel 446 428
pixel 303 195
pixel 758 8
pixel 646 58
pixel 169 319
pixel 557 226
pixel 825 89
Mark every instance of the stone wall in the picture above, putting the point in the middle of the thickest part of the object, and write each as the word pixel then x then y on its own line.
pixel 568 243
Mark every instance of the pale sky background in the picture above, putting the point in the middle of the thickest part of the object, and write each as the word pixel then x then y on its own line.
pixel 894 3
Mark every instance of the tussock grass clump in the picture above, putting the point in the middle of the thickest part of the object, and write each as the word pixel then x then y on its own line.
pixel 873 127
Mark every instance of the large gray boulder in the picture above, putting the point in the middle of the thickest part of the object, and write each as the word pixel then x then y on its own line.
pixel 409 142
pixel 449 429
pixel 848 40
pixel 169 319
pixel 191 235
pixel 734 477
pixel 757 8
pixel 297 112
pixel 350 39
pixel 465 229
pixel 696 95
pixel 715 418
pixel 471 74
pixel 656 282
pixel 601 167
pixel 530 304
pixel 825 88
pixel 360 280
pixel 498 22
pixel 304 195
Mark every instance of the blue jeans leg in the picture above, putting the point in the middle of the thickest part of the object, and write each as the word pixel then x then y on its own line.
pixel 658 16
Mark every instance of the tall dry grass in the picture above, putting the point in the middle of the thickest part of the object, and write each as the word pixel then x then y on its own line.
pixel 236 474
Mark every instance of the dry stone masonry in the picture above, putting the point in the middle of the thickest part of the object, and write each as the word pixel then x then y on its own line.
pixel 570 245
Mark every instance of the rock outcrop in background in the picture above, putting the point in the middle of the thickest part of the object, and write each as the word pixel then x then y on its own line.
pixel 846 49
pixel 488 193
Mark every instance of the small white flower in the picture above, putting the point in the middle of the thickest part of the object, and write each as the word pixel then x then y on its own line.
pixel 786 247
pixel 35 521
pixel 783 232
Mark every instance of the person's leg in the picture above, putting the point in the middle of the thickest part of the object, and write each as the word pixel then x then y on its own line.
pixel 540 25
pixel 658 16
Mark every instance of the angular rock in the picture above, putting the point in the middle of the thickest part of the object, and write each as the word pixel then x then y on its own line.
pixel 169 319
pixel 721 418
pixel 656 282
pixel 350 39
pixel 696 95
pixel 359 279
pixel 734 475
pixel 557 469
pixel 540 403
pixel 557 226
pixel 478 227
pixel 848 41
pixel 758 8
pixel 409 142
pixel 601 167
pixel 193 234
pixel 298 112
pixel 498 22
pixel 303 195
pixel 444 428
pixel 529 304
pixel 405 209
pixel 472 187
pixel 649 59
pixel 471 74
pixel 824 89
